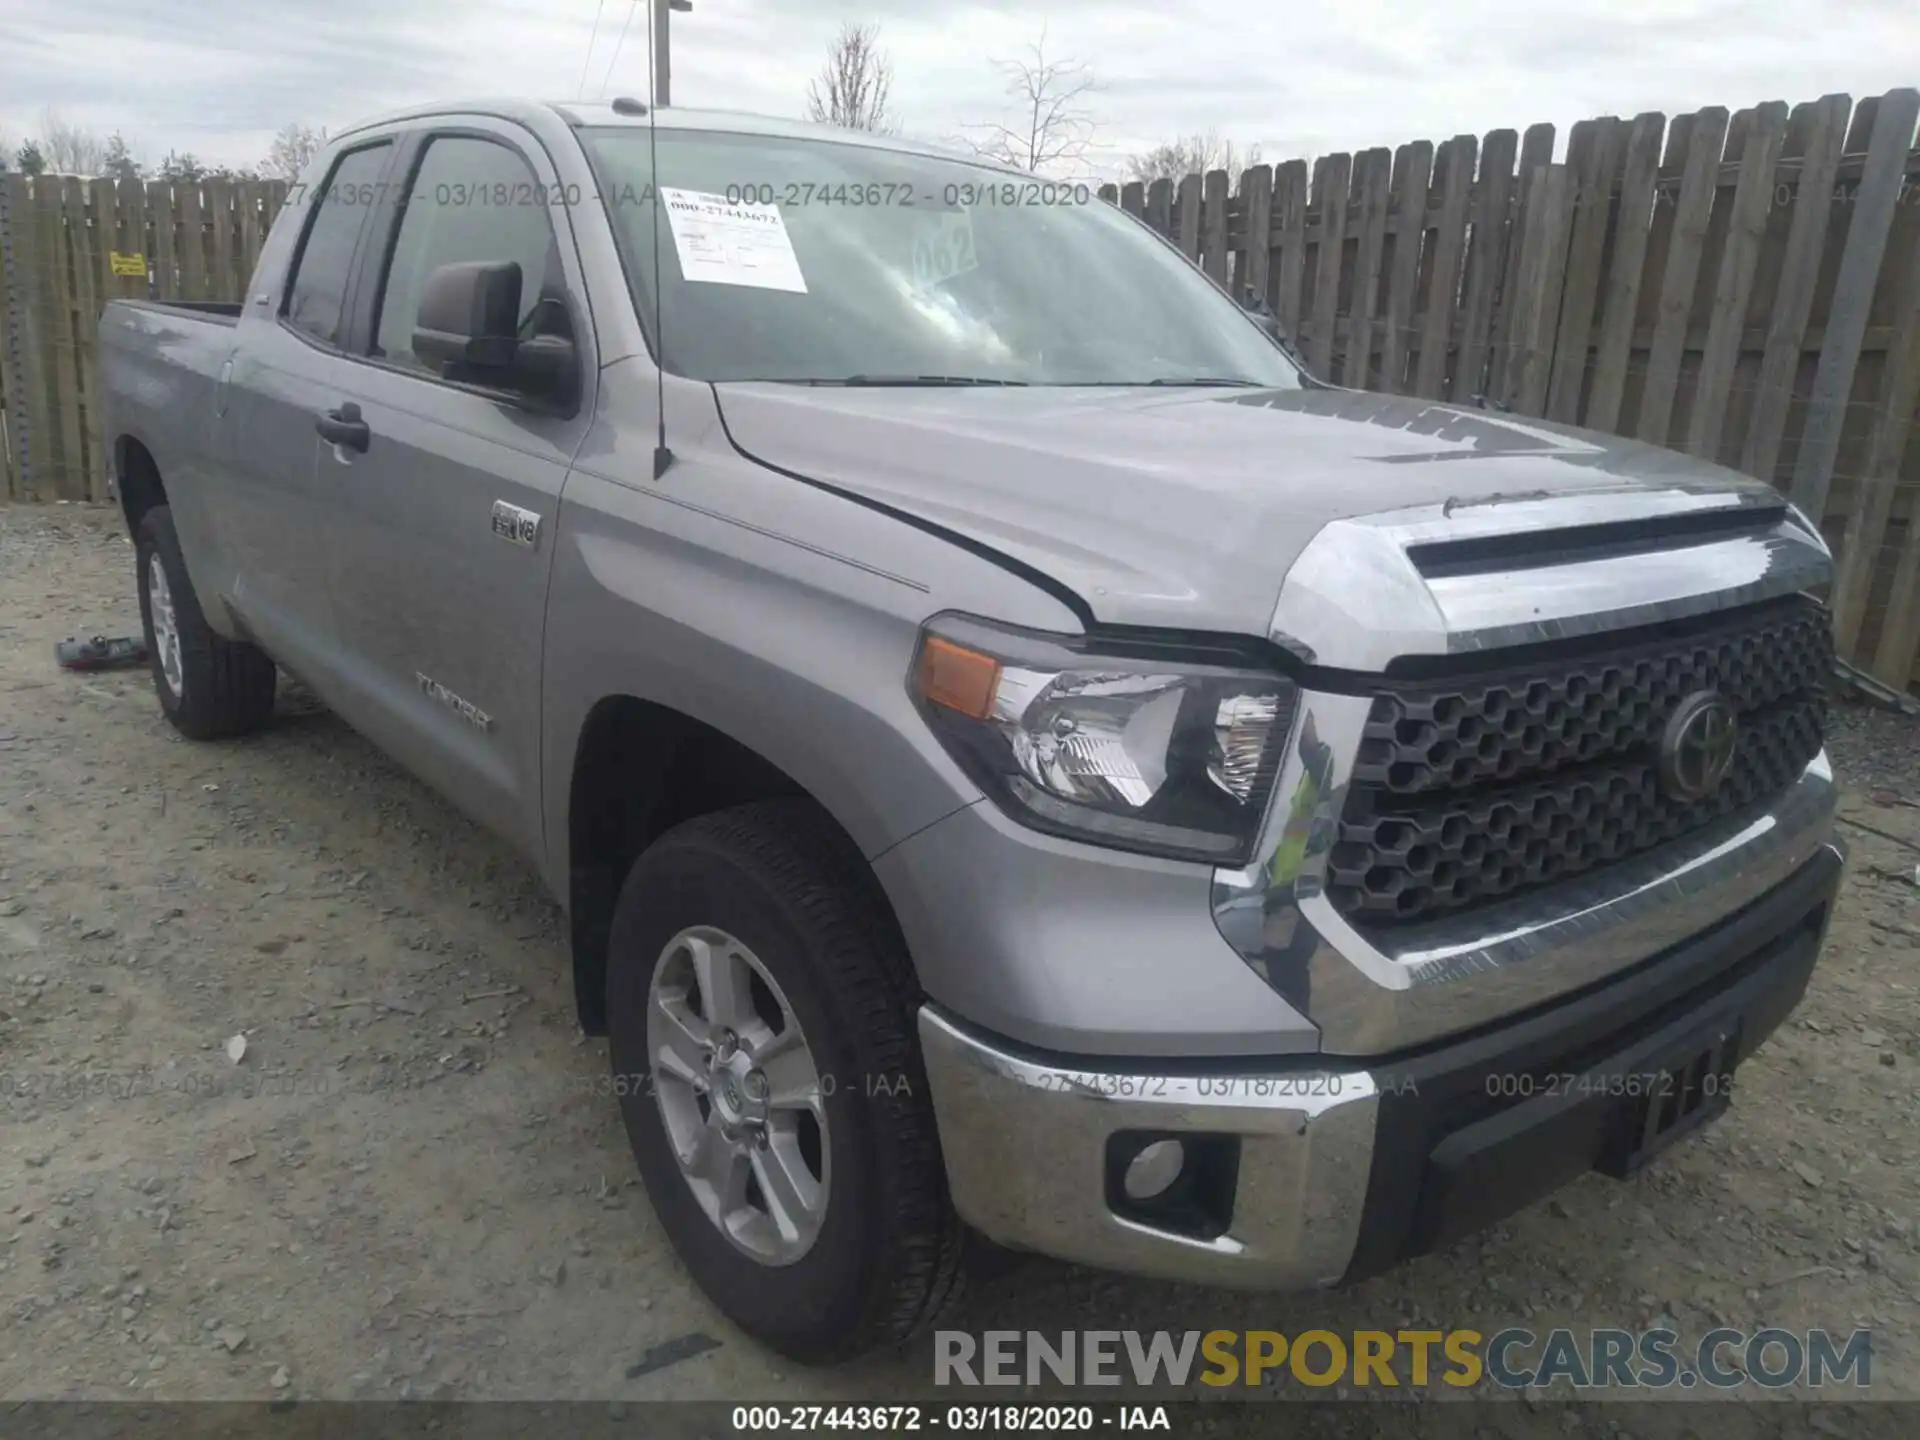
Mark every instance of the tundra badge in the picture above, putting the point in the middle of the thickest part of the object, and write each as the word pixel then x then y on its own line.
pixel 465 709
pixel 510 522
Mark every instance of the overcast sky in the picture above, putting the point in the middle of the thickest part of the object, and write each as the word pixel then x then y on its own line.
pixel 218 77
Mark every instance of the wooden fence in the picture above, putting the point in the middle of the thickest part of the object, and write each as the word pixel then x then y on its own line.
pixel 67 246
pixel 1745 288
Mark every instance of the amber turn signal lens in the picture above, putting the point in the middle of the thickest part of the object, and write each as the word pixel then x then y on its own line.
pixel 958 678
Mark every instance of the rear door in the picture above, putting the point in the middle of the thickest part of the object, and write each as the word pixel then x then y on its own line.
pixel 440 531
pixel 271 504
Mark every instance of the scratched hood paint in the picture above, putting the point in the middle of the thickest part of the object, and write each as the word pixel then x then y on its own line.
pixel 1174 508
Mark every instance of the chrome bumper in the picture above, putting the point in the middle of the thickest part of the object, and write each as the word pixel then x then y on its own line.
pixel 1345 1169
pixel 1026 1145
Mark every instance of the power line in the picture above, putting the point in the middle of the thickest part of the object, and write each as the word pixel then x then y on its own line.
pixel 632 6
pixel 580 91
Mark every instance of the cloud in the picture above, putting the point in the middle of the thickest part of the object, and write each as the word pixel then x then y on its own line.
pixel 218 77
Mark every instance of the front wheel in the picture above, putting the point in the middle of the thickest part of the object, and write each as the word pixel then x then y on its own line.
pixel 209 686
pixel 761 1013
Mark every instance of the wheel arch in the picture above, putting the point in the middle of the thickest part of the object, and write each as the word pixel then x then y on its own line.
pixel 639 769
pixel 137 480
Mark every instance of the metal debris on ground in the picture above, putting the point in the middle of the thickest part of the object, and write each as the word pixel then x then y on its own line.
pixel 101 652
pixel 1851 680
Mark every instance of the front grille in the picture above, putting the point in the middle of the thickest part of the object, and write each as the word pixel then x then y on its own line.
pixel 1466 791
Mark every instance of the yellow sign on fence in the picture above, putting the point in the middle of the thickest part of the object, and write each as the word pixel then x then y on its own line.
pixel 125 264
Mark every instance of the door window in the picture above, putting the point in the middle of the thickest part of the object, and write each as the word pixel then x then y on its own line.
pixel 471 200
pixel 317 297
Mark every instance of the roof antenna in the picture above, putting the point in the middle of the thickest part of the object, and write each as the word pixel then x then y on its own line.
pixel 662 456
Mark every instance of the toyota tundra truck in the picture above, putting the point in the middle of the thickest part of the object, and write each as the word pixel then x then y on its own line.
pixel 1020 757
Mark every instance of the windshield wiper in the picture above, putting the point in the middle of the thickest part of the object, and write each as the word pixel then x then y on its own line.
pixel 1206 380
pixel 928 380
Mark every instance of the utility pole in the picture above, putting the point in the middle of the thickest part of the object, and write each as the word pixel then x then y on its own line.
pixel 662 64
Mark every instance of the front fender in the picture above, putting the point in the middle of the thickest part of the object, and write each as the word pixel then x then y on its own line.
pixel 797 651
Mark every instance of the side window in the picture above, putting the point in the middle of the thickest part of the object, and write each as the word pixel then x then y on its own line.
pixel 317 298
pixel 471 199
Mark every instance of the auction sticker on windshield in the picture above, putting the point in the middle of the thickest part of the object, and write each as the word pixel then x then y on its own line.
pixel 725 243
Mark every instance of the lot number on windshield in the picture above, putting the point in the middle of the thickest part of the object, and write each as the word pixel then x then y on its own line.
pixel 944 250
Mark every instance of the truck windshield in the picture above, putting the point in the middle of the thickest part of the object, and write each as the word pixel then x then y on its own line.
pixel 816 261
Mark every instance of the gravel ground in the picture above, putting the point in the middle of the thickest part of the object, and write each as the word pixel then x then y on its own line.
pixel 411 1184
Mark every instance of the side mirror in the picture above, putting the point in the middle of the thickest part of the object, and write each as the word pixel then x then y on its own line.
pixel 1255 304
pixel 1262 314
pixel 547 368
pixel 467 325
pixel 469 316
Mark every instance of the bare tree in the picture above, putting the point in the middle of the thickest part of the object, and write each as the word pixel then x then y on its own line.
pixel 855 86
pixel 1051 124
pixel 28 160
pixel 1191 155
pixel 69 149
pixel 292 148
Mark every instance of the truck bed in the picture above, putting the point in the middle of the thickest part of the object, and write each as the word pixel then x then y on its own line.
pixel 220 312
pixel 160 364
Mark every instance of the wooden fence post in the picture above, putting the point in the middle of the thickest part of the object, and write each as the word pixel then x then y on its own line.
pixel 88 471
pixel 1186 223
pixel 1633 219
pixel 1290 230
pixel 1593 159
pixel 14 423
pixel 63 345
pixel 1534 281
pixel 1330 198
pixel 1453 178
pixel 1412 168
pixel 1733 288
pixel 1486 255
pixel 1256 199
pixel 1212 234
pixel 1705 141
pixel 33 437
pixel 1811 157
pixel 220 217
pixel 163 218
pixel 1882 180
pixel 1372 182
pixel 1160 206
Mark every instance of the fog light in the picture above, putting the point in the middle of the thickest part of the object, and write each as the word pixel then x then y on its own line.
pixel 1180 1182
pixel 1155 1168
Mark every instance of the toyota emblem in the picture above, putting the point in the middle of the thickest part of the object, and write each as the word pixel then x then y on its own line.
pixel 1696 749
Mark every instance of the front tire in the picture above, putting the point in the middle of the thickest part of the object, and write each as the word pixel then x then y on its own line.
pixel 209 687
pixel 761 1013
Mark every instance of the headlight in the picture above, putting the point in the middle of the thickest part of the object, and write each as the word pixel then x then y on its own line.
pixel 1162 756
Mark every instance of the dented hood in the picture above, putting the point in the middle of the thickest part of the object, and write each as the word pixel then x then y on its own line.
pixel 1177 508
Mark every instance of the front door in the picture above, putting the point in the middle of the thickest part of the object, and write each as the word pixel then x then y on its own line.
pixel 443 497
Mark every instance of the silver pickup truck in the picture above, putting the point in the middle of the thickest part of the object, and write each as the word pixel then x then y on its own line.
pixel 1020 757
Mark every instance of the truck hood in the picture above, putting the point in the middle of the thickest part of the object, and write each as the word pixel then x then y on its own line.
pixel 1183 508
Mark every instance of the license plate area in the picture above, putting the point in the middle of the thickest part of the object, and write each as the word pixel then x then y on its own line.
pixel 1669 1100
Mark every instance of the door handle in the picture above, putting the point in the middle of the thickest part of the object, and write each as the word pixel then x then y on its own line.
pixel 344 427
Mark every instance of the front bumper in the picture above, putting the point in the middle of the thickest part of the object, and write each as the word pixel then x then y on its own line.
pixel 1322 1173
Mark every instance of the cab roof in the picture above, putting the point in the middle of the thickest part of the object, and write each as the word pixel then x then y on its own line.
pixel 623 112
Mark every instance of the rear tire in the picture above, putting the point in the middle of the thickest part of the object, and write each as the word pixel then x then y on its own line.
pixel 778 889
pixel 209 687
